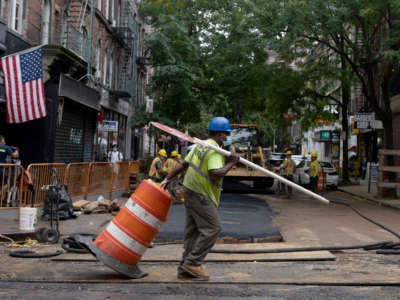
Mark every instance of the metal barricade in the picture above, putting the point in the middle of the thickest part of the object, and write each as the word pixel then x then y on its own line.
pixel 100 178
pixel 42 175
pixel 11 186
pixel 76 178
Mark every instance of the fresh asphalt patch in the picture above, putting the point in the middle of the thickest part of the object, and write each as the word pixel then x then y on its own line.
pixel 243 217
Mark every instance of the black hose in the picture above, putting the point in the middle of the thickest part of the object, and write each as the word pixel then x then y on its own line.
pixel 387 247
pixel 33 254
pixel 366 218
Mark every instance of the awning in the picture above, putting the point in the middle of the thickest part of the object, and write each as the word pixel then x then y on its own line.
pixel 79 92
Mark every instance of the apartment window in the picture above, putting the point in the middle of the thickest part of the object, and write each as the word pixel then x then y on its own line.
pixel 111 73
pixel 97 62
pixel 105 65
pixel 107 9
pixel 99 4
pixel 17 7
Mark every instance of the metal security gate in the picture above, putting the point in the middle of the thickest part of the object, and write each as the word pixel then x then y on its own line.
pixel 75 135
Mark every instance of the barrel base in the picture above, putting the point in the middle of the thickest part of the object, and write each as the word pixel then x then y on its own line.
pixel 127 270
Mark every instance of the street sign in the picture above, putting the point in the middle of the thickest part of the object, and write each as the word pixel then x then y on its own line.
pixel 364 117
pixel 109 126
pixel 325 135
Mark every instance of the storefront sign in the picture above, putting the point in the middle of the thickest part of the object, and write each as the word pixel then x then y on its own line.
pixel 335 136
pixel 326 135
pixel 109 126
pixel 364 117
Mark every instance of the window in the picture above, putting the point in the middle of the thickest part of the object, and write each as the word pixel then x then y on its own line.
pixel 97 62
pixel 105 64
pixel 110 80
pixel 16 14
pixel 107 9
pixel 99 4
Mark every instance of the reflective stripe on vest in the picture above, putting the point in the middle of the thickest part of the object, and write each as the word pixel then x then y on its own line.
pixel 199 168
pixel 153 172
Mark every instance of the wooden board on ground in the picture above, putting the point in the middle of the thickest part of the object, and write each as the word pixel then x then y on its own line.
pixel 173 253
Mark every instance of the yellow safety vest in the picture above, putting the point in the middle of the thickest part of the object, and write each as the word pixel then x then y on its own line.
pixel 153 172
pixel 170 164
pixel 200 160
pixel 289 167
pixel 314 168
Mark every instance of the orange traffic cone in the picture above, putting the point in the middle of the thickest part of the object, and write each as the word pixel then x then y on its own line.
pixel 121 245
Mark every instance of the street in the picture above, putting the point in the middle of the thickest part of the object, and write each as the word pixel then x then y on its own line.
pixel 353 274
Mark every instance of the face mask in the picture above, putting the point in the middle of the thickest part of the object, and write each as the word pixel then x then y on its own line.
pixel 228 141
pixel 114 149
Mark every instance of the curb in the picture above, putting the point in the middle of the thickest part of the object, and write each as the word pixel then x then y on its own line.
pixel 383 203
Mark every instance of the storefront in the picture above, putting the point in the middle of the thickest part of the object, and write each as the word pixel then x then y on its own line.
pixel 113 126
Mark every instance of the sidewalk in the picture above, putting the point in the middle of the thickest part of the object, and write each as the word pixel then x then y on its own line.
pixel 361 190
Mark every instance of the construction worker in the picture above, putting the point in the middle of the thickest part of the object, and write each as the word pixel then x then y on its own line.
pixel 202 189
pixel 172 162
pixel 313 172
pixel 156 172
pixel 289 167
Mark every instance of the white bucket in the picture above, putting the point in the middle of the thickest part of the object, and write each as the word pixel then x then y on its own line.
pixel 27 218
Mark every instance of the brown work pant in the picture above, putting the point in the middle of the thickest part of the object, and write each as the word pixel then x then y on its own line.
pixel 202 227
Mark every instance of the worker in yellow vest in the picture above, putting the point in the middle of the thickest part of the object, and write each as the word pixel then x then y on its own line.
pixel 289 167
pixel 172 162
pixel 206 169
pixel 313 172
pixel 156 172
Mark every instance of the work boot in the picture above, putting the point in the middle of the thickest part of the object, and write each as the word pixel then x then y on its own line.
pixel 198 272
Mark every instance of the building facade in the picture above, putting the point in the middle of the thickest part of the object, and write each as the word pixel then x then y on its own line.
pixel 93 72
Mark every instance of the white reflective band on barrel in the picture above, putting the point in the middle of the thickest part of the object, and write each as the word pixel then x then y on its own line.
pixel 143 214
pixel 125 239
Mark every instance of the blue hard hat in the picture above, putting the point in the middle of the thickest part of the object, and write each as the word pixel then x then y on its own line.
pixel 220 124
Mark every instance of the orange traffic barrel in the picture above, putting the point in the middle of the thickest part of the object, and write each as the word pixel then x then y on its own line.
pixel 321 181
pixel 122 243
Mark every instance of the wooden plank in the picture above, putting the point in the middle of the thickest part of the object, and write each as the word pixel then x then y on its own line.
pixel 389 169
pixel 389 152
pixel 389 185
pixel 173 253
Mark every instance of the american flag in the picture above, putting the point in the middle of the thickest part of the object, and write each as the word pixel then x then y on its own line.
pixel 23 78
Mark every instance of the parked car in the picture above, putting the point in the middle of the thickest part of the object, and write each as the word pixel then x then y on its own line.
pixel 301 176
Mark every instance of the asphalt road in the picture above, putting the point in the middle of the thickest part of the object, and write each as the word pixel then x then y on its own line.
pixel 243 217
pixel 34 291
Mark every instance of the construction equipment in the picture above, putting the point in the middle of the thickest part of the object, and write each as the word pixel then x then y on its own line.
pixel 246 142
pixel 190 139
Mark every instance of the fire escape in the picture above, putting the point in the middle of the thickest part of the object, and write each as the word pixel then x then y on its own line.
pixel 126 31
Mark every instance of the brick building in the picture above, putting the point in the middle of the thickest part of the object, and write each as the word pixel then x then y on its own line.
pixel 93 69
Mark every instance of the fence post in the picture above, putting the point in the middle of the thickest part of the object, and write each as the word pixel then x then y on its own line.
pixel 381 157
pixel 88 181
pixel 112 180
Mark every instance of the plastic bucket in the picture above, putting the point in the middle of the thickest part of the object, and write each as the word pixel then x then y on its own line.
pixel 27 218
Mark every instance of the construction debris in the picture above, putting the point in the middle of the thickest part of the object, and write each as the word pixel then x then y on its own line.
pixel 99 207
pixel 78 205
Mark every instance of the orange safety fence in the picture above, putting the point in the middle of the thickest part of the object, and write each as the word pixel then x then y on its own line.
pixel 42 175
pixel 82 179
pixel 100 178
pixel 76 179
pixel 12 186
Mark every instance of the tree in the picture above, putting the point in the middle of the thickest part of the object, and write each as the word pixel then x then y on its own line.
pixel 363 35
pixel 206 57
